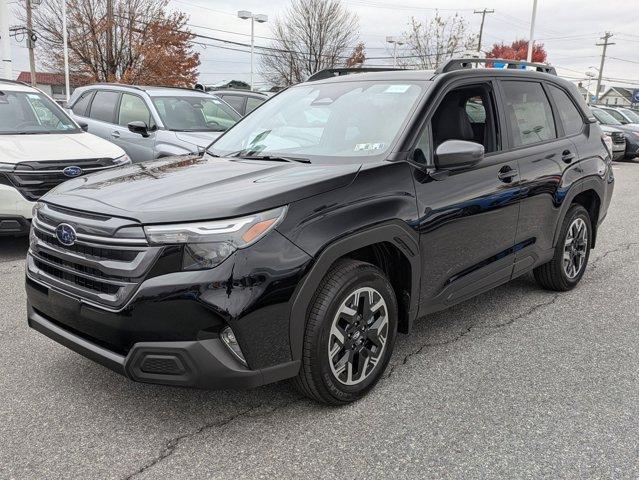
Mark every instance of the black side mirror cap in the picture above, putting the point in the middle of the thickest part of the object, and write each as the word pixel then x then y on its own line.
pixel 139 127
pixel 84 126
pixel 453 154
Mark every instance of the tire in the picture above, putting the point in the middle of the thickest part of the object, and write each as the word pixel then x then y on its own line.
pixel 556 275
pixel 346 288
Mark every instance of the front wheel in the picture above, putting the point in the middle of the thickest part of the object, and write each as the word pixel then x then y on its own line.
pixel 350 333
pixel 572 252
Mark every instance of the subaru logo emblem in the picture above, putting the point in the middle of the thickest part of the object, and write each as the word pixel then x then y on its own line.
pixel 65 234
pixel 72 171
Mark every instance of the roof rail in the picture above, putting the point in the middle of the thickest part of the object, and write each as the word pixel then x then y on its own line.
pixel 338 72
pixel 461 63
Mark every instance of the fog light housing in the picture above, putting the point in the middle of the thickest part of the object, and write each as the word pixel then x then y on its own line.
pixel 228 338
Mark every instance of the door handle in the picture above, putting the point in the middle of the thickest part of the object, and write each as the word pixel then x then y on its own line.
pixel 567 156
pixel 507 173
pixel 115 134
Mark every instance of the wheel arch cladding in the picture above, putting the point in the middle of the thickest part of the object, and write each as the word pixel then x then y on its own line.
pixel 391 247
pixel 589 193
pixel 590 200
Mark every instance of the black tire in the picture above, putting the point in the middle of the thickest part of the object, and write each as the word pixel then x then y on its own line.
pixel 552 275
pixel 317 379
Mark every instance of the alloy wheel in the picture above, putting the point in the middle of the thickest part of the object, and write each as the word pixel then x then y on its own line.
pixel 575 248
pixel 358 335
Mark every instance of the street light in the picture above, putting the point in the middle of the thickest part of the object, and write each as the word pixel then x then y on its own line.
pixel 254 17
pixel 395 41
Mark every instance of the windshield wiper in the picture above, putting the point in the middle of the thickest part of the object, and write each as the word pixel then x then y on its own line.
pixel 274 158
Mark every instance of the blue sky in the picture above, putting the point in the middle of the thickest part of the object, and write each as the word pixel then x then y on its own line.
pixel 568 28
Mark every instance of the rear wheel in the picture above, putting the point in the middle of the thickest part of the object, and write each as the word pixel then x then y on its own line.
pixel 572 252
pixel 350 333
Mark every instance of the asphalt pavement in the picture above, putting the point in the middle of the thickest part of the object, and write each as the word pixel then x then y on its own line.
pixel 516 383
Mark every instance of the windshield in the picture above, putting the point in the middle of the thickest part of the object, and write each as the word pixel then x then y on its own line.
pixel 630 115
pixel 32 113
pixel 341 119
pixel 604 117
pixel 195 113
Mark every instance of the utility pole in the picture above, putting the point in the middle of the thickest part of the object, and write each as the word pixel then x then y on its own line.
pixel 531 38
pixel 481 28
pixel 605 44
pixel 65 50
pixel 31 43
pixel 7 71
pixel 109 41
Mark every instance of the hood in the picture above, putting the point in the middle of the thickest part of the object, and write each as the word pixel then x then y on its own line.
pixel 201 139
pixel 57 146
pixel 194 188
pixel 629 127
pixel 609 128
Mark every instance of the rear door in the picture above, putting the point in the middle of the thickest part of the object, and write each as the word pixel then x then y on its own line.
pixel 544 155
pixel 102 113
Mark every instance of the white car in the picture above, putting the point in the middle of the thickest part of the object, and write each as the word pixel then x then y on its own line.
pixel 41 147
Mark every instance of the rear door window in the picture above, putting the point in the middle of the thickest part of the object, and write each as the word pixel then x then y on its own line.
pixel 528 112
pixel 235 101
pixel 80 107
pixel 568 113
pixel 104 105
pixel 252 103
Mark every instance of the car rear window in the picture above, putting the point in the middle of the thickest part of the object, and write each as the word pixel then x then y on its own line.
pixel 80 107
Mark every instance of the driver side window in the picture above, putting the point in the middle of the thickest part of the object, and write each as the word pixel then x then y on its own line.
pixel 465 113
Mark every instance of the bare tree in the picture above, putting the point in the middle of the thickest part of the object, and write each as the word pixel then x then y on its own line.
pixel 429 44
pixel 312 35
pixel 118 40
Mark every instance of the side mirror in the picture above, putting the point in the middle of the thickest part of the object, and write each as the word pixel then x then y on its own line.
pixel 84 126
pixel 139 127
pixel 453 154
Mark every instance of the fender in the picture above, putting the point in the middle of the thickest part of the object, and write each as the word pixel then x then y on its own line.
pixel 395 232
pixel 589 183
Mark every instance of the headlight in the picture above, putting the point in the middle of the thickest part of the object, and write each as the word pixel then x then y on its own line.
pixel 207 244
pixel 36 208
pixel 123 160
pixel 6 167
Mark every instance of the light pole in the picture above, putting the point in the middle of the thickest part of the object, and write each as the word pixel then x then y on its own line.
pixel 254 17
pixel 7 72
pixel 395 41
pixel 531 39
pixel 65 50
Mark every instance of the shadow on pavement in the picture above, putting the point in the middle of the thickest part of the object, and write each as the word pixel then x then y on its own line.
pixel 13 248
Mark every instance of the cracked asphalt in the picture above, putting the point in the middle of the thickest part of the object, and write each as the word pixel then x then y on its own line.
pixel 517 383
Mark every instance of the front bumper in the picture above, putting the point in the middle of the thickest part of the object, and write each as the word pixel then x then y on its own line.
pixel 15 211
pixel 197 363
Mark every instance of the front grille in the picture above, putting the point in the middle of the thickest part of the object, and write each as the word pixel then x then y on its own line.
pixel 34 179
pixel 104 268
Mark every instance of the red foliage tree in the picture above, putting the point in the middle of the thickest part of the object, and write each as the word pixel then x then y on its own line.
pixel 518 50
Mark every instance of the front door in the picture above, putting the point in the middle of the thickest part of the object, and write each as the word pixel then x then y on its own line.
pixel 468 218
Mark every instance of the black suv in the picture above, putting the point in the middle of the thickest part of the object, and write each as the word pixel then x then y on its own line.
pixel 319 226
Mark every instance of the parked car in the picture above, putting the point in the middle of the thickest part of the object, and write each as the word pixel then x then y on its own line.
pixel 321 225
pixel 631 131
pixel 152 122
pixel 623 115
pixel 243 101
pixel 41 147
